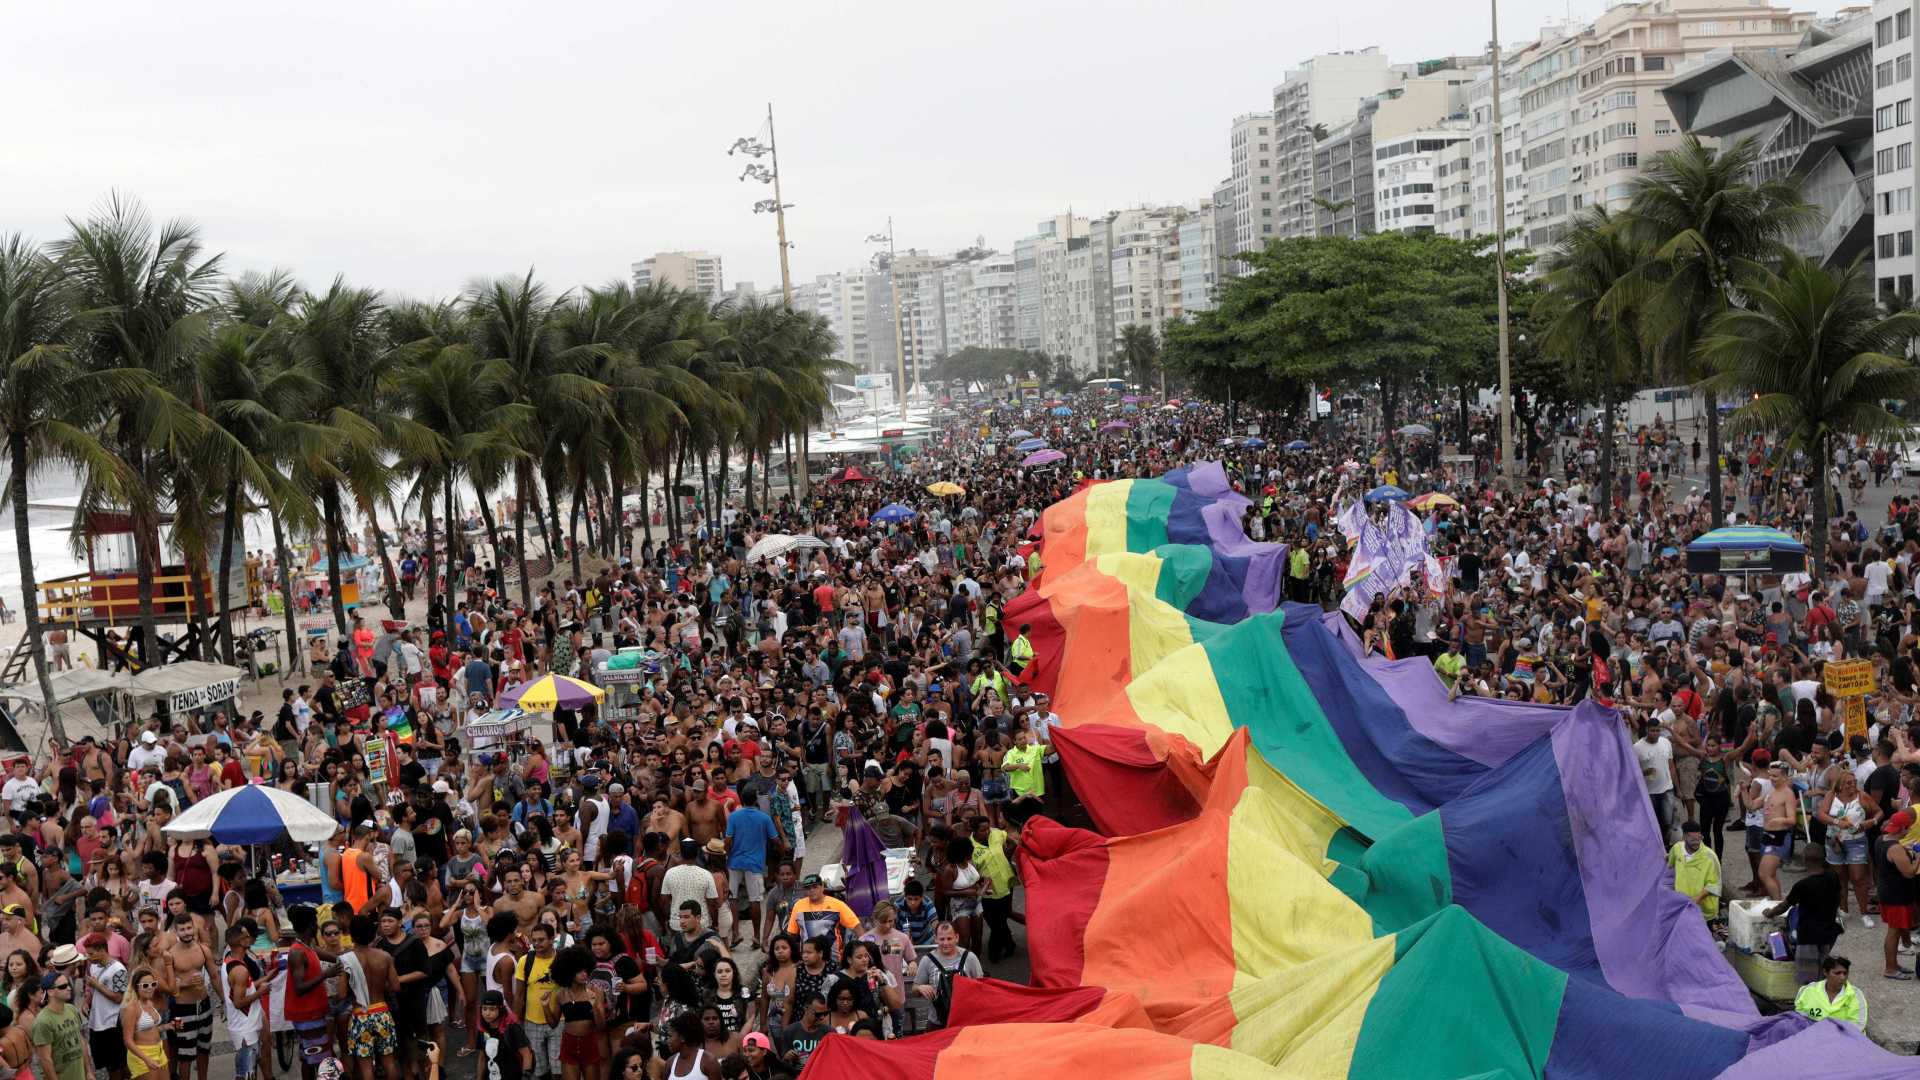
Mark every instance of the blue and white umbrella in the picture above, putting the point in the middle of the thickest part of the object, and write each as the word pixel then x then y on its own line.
pixel 1385 493
pixel 893 512
pixel 255 814
pixel 1019 433
pixel 1029 445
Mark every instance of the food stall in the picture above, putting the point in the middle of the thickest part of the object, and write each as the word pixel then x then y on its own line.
pixel 186 686
pixel 625 678
pixel 499 730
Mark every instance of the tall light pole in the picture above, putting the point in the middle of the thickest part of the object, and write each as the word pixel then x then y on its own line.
pixel 893 286
pixel 1500 259
pixel 753 147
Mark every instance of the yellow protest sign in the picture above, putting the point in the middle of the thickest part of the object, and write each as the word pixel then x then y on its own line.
pixel 1849 678
pixel 1853 711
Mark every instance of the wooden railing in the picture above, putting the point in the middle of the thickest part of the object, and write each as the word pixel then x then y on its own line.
pixel 116 600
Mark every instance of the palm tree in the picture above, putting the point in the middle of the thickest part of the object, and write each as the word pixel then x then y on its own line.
pixel 1139 352
pixel 339 336
pixel 49 405
pixel 1707 228
pixel 514 323
pixel 1598 342
pixel 1817 358
pixel 463 401
pixel 147 292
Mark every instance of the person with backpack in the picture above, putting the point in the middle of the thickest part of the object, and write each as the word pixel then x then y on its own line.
pixel 933 979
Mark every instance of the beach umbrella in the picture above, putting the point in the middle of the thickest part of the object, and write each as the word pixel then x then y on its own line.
pixel 1028 445
pixel 1432 499
pixel 1019 433
pixel 1746 549
pixel 1385 493
pixel 1416 429
pixel 1115 425
pixel 945 487
pixel 1062 410
pixel 1131 399
pixel 1174 401
pixel 255 814
pixel 1299 444
pixel 1129 408
pixel 1254 443
pixel 893 512
pixel 1170 407
pixel 550 692
pixel 773 545
pixel 1044 457
pixel 1195 405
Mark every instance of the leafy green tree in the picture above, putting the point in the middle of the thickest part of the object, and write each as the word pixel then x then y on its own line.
pixel 1707 228
pixel 1139 349
pixel 1817 360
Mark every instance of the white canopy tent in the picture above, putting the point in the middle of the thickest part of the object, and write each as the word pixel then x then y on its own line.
pixel 187 685
pixel 105 694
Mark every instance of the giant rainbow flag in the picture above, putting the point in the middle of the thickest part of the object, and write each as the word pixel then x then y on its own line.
pixel 1312 864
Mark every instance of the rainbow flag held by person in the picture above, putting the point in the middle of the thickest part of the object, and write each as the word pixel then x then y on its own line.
pixel 1310 862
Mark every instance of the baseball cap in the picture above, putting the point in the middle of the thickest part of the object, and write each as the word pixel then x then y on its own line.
pixel 1898 823
pixel 441 787
pixel 48 979
pixel 616 789
pixel 14 909
pixel 755 1038
pixel 149 738
pixel 1761 757
pixel 810 881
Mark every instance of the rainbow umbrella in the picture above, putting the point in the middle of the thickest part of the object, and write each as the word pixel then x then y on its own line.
pixel 550 692
pixel 1431 499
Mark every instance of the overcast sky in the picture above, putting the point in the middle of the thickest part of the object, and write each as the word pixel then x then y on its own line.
pixel 415 146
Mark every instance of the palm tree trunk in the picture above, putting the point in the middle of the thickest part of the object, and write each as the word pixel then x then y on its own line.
pixel 1606 453
pixel 1820 511
pixel 29 588
pixel 746 448
pixel 396 600
pixel 711 511
pixel 786 443
pixel 198 603
pixel 1713 461
pixel 1466 438
pixel 330 513
pixel 553 515
pixel 227 528
pixel 433 557
pixel 486 518
pixel 523 484
pixel 146 539
pixel 646 515
pixel 283 558
pixel 766 476
pixel 573 534
pixel 454 538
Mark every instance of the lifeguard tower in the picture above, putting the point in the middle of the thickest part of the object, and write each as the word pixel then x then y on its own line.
pixel 107 598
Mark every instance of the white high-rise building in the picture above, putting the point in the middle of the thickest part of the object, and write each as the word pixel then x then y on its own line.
pixel 1199 263
pixel 1316 97
pixel 692 271
pixel 1036 257
pixel 1894 178
pixel 980 303
pixel 1250 144
pixel 1142 242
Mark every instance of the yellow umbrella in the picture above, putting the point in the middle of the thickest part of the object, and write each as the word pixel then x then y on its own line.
pixel 1432 499
pixel 550 692
pixel 946 487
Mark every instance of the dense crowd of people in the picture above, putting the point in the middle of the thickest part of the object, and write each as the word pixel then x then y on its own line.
pixel 631 897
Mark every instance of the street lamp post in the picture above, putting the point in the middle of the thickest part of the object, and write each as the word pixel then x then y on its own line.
pixel 753 147
pixel 893 286
pixel 1500 259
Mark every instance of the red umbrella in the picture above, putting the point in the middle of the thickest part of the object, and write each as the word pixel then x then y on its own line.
pixel 850 475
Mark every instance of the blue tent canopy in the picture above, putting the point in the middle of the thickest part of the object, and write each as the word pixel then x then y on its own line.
pixel 1746 549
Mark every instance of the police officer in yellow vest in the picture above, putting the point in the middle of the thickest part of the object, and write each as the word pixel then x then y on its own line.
pixel 1020 653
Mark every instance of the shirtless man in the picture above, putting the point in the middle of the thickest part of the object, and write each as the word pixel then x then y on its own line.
pixel 189 978
pixel 370 1032
pixel 1782 810
pixel 706 816
pixel 524 905
pixel 664 819
pixel 335 883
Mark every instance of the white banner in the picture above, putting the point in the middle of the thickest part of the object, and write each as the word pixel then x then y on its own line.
pixel 202 696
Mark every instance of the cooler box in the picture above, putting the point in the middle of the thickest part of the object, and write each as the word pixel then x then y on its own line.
pixel 1772 979
pixel 1747 928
